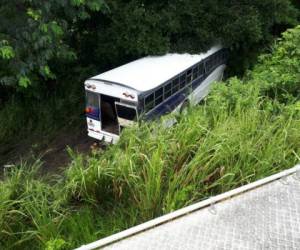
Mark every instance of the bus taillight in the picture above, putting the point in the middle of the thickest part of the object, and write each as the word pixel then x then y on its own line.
pixel 88 110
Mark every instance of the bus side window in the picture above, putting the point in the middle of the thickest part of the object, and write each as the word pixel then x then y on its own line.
pixel 182 81
pixel 195 72
pixel 159 96
pixel 189 76
pixel 206 67
pixel 215 60
pixel 208 64
pixel 149 102
pixel 224 56
pixel 220 57
pixel 168 90
pixel 201 69
pixel 175 85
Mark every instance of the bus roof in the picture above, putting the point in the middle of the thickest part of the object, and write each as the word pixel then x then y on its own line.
pixel 149 72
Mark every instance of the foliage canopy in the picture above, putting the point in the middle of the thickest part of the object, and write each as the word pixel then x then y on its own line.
pixel 40 41
pixel 34 35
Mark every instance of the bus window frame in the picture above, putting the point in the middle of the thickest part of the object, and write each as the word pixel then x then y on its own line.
pixel 99 103
pixel 153 102
pixel 127 106
pixel 159 96
pixel 94 93
pixel 169 91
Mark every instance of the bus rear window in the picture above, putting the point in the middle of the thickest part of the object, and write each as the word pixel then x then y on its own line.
pixel 126 112
pixel 92 99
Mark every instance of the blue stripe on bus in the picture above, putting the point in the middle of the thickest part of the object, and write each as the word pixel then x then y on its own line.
pixel 197 82
pixel 170 104
pixel 93 117
pixel 167 106
pixel 95 114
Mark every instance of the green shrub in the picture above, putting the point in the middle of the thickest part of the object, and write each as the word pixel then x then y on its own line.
pixel 278 73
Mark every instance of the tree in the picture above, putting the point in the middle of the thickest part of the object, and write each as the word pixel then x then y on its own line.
pixel 136 28
pixel 34 35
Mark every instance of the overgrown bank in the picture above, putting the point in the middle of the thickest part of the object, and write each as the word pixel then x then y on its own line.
pixel 245 130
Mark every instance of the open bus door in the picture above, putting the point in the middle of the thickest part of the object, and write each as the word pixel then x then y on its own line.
pixel 127 114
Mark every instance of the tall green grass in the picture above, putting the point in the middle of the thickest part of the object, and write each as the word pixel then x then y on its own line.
pixel 152 171
pixel 207 152
pixel 241 133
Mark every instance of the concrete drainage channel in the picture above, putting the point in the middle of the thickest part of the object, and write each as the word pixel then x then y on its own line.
pixel 260 215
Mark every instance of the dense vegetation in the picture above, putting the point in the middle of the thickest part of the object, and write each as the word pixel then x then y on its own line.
pixel 38 38
pixel 48 48
pixel 244 130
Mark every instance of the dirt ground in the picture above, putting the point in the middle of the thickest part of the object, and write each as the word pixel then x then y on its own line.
pixel 52 152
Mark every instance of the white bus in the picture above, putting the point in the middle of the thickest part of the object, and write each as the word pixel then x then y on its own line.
pixel 149 88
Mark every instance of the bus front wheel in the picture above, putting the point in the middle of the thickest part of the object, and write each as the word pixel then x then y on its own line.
pixel 184 107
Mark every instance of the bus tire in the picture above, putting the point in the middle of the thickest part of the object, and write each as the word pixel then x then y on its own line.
pixel 184 107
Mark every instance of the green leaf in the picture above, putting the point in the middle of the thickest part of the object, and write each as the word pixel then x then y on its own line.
pixel 77 2
pixel 95 5
pixel 46 72
pixel 24 81
pixel 55 244
pixel 34 14
pixel 7 52
pixel 55 27
pixel 44 28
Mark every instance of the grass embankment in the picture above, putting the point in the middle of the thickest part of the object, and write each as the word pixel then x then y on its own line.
pixel 243 132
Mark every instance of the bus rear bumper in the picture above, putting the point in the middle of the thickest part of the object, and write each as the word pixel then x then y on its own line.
pixel 106 137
